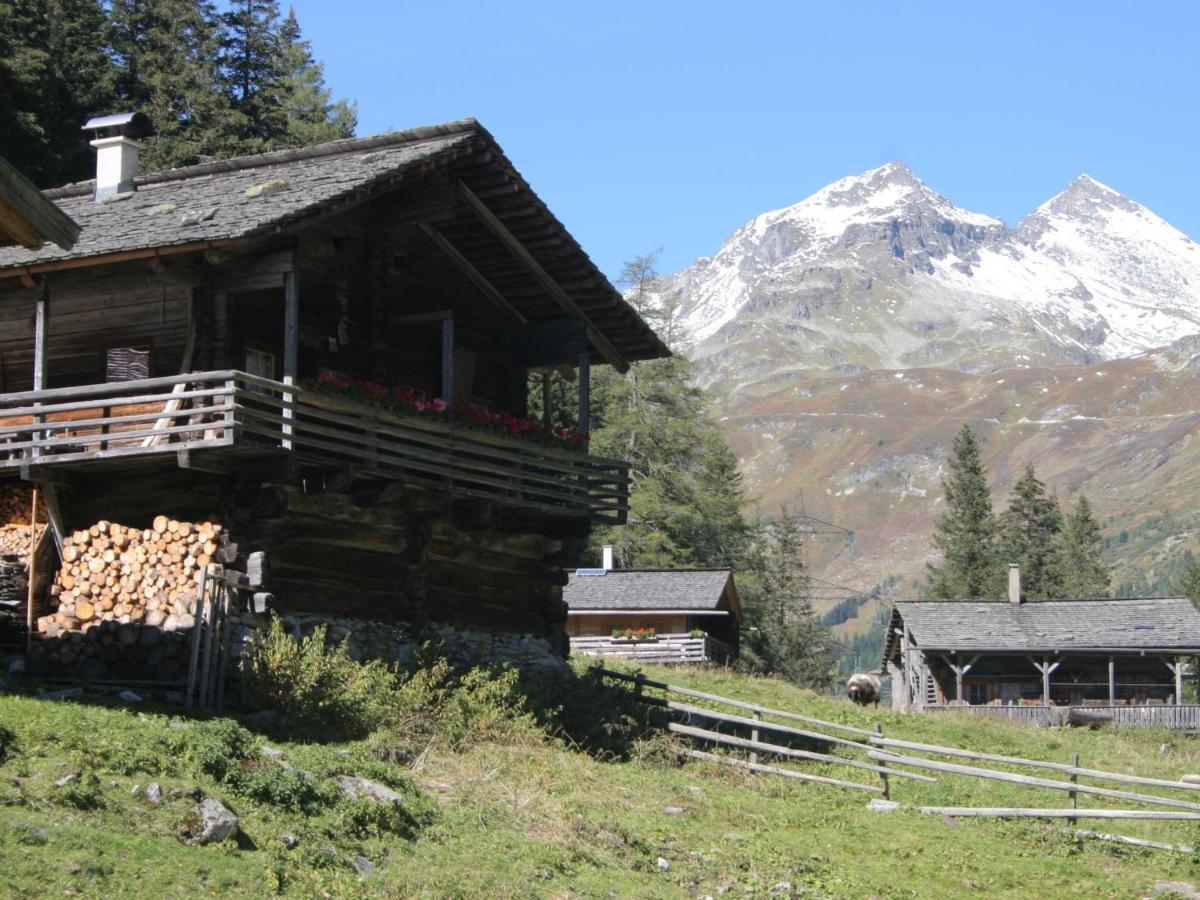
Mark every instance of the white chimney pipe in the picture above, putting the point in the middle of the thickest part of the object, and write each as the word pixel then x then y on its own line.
pixel 116 165
pixel 1014 584
pixel 608 558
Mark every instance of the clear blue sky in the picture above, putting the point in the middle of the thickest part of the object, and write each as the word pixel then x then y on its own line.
pixel 669 124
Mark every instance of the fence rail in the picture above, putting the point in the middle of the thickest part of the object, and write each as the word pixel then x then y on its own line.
pixel 666 649
pixel 208 410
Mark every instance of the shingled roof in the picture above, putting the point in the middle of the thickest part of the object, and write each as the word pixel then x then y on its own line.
pixel 1166 623
pixel 651 590
pixel 273 194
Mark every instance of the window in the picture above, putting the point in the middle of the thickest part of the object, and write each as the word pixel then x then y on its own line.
pixel 260 363
pixel 126 363
pixel 977 694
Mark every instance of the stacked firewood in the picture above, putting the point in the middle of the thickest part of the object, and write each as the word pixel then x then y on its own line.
pixel 114 573
pixel 16 502
pixel 14 577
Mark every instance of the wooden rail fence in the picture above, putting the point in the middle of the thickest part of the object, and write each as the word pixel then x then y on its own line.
pixel 667 649
pixel 883 759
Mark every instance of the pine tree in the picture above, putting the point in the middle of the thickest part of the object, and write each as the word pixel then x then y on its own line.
pixel 312 115
pixel 685 501
pixel 1084 571
pixel 966 533
pixel 1030 530
pixel 783 634
pixel 251 59
pixel 168 59
pixel 1188 584
pixel 55 74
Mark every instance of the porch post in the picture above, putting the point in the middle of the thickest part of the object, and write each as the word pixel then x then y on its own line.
pixel 1045 681
pixel 585 392
pixel 1112 681
pixel 291 349
pixel 40 324
pixel 448 359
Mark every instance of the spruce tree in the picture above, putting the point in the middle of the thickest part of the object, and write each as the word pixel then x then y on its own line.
pixel 966 532
pixel 685 501
pixel 251 61
pixel 167 54
pixel 55 74
pixel 312 115
pixel 1084 573
pixel 783 635
pixel 1030 535
pixel 1188 584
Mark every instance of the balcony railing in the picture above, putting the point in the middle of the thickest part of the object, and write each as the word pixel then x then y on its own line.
pixel 666 649
pixel 204 411
pixel 1177 718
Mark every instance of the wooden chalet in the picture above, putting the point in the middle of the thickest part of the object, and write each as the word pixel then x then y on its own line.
pixel 327 350
pixel 694 614
pixel 1049 661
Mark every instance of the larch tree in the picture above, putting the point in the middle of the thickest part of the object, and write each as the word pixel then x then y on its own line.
pixel 1084 573
pixel 1030 531
pixel 966 532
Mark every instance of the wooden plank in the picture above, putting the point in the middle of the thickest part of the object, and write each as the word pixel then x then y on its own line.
pixel 753 707
pixel 1007 812
pixel 716 716
pixel 194 659
pixel 1136 842
pixel 27 216
pixel 104 390
pixel 1033 763
pixel 730 740
pixel 561 297
pixel 786 773
pixel 476 277
pixel 291 344
pixel 1028 780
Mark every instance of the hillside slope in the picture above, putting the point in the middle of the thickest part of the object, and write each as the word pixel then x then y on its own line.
pixel 524 815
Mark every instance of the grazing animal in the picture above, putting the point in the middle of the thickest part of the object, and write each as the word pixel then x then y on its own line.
pixel 863 688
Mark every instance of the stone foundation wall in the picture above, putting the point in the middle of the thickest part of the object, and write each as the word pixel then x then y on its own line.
pixel 400 642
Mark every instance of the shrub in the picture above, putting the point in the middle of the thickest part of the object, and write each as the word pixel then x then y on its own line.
pixel 318 688
pixel 217 747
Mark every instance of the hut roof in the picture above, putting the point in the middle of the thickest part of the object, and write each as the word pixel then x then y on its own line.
pixel 652 590
pixel 252 198
pixel 1161 623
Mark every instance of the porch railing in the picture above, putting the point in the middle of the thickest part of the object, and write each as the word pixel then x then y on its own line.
pixel 1180 718
pixel 207 410
pixel 666 649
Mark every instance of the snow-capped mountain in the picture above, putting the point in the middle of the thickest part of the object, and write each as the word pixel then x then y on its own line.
pixel 879 271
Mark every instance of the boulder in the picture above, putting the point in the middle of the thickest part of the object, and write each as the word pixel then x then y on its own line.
pixel 355 788
pixel 217 822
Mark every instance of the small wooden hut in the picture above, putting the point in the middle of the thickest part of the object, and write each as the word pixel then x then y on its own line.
pixel 670 615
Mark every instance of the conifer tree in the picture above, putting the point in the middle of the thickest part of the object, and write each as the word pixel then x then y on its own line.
pixel 312 115
pixel 55 74
pixel 1188 584
pixel 966 533
pixel 1084 573
pixel 1030 530
pixel 783 634
pixel 168 58
pixel 685 501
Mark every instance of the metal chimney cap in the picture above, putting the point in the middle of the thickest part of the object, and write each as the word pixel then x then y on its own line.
pixel 127 124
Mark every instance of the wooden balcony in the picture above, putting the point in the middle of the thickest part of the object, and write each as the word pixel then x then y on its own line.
pixel 1184 717
pixel 666 649
pixel 204 417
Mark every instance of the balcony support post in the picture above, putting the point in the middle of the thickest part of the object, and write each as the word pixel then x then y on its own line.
pixel 448 359
pixel 585 392
pixel 291 350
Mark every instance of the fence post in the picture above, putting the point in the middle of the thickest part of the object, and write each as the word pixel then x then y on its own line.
pixel 754 736
pixel 887 792
pixel 637 686
pixel 1073 795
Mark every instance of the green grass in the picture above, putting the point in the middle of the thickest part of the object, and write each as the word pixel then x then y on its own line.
pixel 524 815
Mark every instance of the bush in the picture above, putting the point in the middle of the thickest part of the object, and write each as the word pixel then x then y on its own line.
pixel 318 688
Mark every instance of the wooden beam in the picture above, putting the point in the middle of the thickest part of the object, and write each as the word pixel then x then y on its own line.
pixel 476 277
pixel 291 347
pixel 28 216
pixel 584 421
pixel 1112 681
pixel 448 359
pixel 517 249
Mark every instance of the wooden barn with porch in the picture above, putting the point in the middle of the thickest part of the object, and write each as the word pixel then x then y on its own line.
pixel 1049 662
pixel 328 351
pixel 654 615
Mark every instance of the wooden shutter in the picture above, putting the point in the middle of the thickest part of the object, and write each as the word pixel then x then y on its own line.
pixel 126 363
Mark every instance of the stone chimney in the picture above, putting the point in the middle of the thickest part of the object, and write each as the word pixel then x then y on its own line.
pixel 117 151
pixel 1014 584
pixel 608 558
